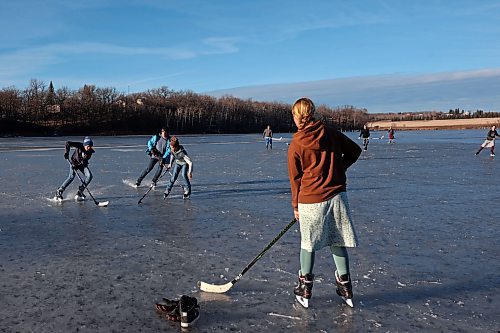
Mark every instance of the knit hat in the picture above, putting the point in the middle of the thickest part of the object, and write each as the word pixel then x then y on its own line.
pixel 88 141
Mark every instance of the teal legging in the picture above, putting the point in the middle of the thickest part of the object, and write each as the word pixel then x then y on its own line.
pixel 340 257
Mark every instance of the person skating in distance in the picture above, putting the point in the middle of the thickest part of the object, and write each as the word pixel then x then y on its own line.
pixel 365 134
pixel 159 151
pixel 318 158
pixel 391 135
pixel 79 162
pixel 268 136
pixel 180 164
pixel 490 141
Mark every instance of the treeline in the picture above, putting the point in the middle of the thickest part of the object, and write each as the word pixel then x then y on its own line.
pixel 40 109
pixel 434 115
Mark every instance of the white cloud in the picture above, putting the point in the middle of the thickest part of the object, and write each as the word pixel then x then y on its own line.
pixel 17 64
pixel 389 93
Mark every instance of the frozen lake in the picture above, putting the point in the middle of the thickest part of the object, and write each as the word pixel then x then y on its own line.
pixel 426 211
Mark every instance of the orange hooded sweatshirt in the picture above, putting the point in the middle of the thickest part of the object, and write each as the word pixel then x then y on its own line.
pixel 318 158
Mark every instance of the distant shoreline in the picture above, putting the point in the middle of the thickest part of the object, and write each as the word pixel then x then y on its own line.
pixel 472 123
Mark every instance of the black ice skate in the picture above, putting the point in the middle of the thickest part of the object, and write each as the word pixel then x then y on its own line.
pixel 344 288
pixel 80 195
pixel 303 290
pixel 189 310
pixel 59 196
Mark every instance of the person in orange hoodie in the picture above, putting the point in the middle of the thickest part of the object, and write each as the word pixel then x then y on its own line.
pixel 318 158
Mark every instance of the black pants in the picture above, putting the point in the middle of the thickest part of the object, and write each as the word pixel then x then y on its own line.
pixel 148 169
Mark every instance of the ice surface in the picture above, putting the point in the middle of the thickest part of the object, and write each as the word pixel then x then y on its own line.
pixel 426 212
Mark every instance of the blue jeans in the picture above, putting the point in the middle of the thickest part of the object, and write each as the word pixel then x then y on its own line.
pixel 182 170
pixel 269 142
pixel 151 165
pixel 71 176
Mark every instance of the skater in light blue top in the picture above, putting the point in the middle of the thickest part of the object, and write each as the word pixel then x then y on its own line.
pixel 180 164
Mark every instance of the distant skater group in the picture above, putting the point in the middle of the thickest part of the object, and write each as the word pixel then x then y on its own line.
pixel 162 150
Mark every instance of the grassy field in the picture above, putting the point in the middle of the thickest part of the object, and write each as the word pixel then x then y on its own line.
pixel 435 124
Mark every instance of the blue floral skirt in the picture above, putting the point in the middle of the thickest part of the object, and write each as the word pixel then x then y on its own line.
pixel 327 223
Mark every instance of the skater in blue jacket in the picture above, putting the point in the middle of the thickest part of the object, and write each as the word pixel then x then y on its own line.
pixel 159 152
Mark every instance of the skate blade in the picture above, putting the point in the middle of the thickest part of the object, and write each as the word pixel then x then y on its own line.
pixel 348 301
pixel 56 199
pixel 303 301
pixel 78 198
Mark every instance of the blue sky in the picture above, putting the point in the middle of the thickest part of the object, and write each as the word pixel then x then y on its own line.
pixel 381 55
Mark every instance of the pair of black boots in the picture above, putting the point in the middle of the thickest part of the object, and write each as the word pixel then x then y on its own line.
pixel 186 310
pixel 303 290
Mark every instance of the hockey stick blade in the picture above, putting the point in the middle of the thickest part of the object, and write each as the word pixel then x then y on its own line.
pixel 215 288
pixel 103 204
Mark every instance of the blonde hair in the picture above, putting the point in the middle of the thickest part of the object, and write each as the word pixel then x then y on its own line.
pixel 303 109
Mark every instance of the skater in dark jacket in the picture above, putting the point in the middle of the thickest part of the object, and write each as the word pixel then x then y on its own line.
pixel 79 162
pixel 490 141
pixel 365 134
pixel 318 158
pixel 159 152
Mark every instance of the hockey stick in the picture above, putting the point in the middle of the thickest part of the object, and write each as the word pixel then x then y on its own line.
pixel 151 187
pixel 100 204
pixel 214 288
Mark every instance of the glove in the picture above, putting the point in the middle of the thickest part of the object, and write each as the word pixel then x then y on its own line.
pixel 155 152
pixel 66 156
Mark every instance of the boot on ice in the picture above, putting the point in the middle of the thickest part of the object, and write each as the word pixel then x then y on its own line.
pixel 344 287
pixel 303 290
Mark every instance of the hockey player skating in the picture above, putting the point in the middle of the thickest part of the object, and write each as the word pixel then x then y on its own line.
pixel 268 136
pixel 180 164
pixel 79 162
pixel 490 141
pixel 159 151
pixel 318 158
pixel 365 134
